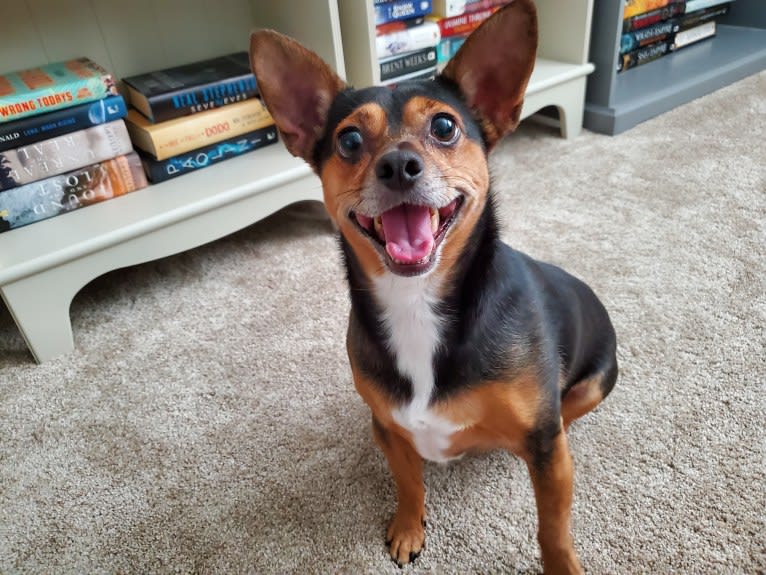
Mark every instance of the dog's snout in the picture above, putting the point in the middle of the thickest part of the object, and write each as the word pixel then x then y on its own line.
pixel 399 169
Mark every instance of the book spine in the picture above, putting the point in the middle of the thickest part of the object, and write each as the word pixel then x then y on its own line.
pixel 202 98
pixel 697 5
pixel 448 48
pixel 693 35
pixel 449 8
pixel 636 7
pixel 183 135
pixel 35 128
pixel 51 95
pixel 71 191
pixel 701 16
pixel 427 74
pixel 162 170
pixel 463 24
pixel 643 55
pixel 424 36
pixel 407 63
pixel 398 26
pixel 64 153
pixel 649 35
pixel 401 10
pixel 647 19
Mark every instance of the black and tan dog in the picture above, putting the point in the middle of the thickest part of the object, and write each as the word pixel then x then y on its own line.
pixel 457 342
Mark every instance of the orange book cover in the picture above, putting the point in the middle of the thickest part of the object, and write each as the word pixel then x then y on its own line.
pixel 635 7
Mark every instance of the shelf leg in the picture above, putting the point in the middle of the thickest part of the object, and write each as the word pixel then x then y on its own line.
pixel 40 309
pixel 572 109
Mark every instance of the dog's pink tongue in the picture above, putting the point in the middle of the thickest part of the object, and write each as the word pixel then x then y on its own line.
pixel 408 233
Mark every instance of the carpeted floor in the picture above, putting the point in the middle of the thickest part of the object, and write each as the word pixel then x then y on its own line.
pixel 206 422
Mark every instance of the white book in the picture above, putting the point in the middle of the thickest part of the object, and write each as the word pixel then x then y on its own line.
pixel 692 35
pixel 425 35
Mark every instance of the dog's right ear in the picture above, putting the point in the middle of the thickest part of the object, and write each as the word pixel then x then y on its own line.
pixel 297 87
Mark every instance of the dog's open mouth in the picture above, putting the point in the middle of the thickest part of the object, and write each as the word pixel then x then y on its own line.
pixel 409 234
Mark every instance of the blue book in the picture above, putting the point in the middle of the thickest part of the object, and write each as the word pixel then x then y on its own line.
pixel 45 126
pixel 401 10
pixel 161 170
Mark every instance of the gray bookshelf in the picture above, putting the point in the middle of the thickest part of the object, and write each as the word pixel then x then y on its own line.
pixel 616 102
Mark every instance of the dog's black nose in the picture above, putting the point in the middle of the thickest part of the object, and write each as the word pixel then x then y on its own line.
pixel 399 169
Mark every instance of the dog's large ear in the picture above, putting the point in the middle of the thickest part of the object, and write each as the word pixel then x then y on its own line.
pixel 297 87
pixel 493 67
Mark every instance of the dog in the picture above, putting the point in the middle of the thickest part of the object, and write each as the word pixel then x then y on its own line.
pixel 456 341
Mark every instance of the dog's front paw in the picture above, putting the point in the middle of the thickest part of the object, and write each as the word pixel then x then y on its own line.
pixel 405 537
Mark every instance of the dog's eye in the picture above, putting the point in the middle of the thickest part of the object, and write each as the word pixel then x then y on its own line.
pixel 444 128
pixel 349 142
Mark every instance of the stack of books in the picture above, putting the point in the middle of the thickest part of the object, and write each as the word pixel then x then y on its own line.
pixel 405 42
pixel 189 117
pixel 653 28
pixel 63 142
pixel 457 19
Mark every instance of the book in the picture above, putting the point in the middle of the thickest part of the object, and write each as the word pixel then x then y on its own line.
pixel 448 8
pixel 696 5
pixel 635 7
pixel 463 24
pixel 63 153
pixel 52 87
pixel 693 35
pixel 649 35
pixel 401 10
pixel 700 16
pixel 35 128
pixel 648 18
pixel 448 47
pixel 162 170
pixel 428 74
pixel 643 55
pixel 407 63
pixel 182 135
pixel 71 191
pixel 416 38
pixel 192 88
pixel 398 26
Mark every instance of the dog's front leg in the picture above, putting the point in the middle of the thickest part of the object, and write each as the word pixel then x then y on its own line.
pixel 550 466
pixel 406 532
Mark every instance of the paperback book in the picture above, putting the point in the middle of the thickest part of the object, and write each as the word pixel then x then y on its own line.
pixel 448 8
pixel 701 16
pixel 72 191
pixel 428 74
pixel 183 90
pixel 653 17
pixel 649 35
pixel 62 154
pixel 694 35
pixel 401 10
pixel 407 63
pixel 635 7
pixel 463 24
pixel 35 128
pixel 162 170
pixel 52 87
pixel 424 36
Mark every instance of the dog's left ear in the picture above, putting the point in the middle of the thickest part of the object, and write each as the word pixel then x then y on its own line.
pixel 492 68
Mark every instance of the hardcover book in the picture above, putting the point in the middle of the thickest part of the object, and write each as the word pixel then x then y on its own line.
pixel 67 192
pixel 401 10
pixel 462 25
pixel 52 87
pixel 183 90
pixel 63 153
pixel 35 128
pixel 161 170
pixel 648 18
pixel 407 63
pixel 181 135
pixel 416 38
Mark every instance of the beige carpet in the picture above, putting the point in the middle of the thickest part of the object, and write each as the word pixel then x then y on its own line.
pixel 207 423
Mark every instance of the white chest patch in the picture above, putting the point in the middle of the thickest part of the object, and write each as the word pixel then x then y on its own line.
pixel 414 333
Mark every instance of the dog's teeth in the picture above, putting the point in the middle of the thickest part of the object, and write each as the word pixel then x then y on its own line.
pixel 434 220
pixel 378 223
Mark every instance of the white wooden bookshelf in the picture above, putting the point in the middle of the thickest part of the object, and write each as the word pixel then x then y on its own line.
pixel 560 73
pixel 44 265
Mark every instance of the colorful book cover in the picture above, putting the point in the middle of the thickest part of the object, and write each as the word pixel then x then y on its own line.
pixel 182 135
pixel 649 35
pixel 71 191
pixel 462 25
pixel 448 47
pixel 407 63
pixel 161 170
pixel 52 87
pixel 424 36
pixel 401 10
pixel 398 26
pixel 63 153
pixel 635 7
pixel 35 128
pixel 192 88
pixel 643 55
pixel 672 10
